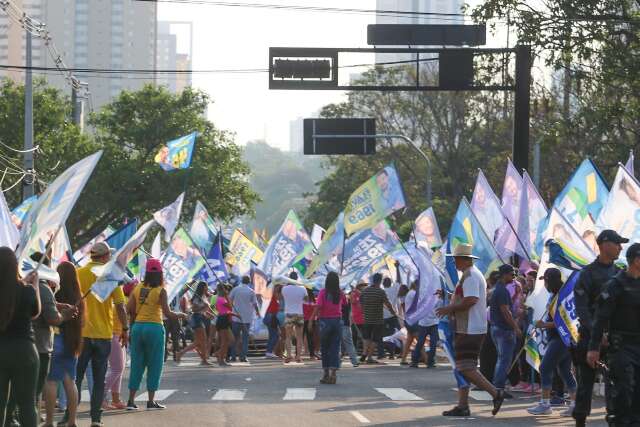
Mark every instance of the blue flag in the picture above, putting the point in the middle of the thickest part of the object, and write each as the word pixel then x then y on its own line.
pixel 177 154
pixel 563 311
pixel 215 269
pixel 122 235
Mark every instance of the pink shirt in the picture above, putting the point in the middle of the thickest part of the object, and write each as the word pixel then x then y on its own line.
pixel 222 306
pixel 326 307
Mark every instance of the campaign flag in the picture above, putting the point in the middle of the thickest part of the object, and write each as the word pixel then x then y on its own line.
pixel 428 283
pixel 51 210
pixel 289 241
pixel 215 269
pixel 446 341
pixel 466 228
pixel 622 209
pixel 82 255
pixel 367 246
pixel 121 236
pixel 115 271
pixel 426 230
pixel 563 312
pixel 583 196
pixel 533 212
pixel 316 235
pixel 181 262
pixel 377 198
pixel 507 242
pixel 629 165
pixel 169 217
pixel 244 252
pixel 177 154
pixel 9 234
pixel 563 255
pixel 60 249
pixel 486 207
pixel 303 260
pixel 330 248
pixel 534 347
pixel 156 246
pixel 19 214
pixel 138 264
pixel 203 230
pixel 258 240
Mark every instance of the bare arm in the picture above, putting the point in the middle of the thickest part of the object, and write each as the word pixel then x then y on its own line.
pixel 465 304
pixel 166 310
pixel 504 309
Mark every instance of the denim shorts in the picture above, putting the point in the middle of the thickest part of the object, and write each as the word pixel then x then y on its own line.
pixel 197 321
pixel 62 362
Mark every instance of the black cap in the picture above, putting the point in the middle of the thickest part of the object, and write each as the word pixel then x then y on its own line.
pixel 610 236
pixel 551 274
pixel 634 251
pixel 506 269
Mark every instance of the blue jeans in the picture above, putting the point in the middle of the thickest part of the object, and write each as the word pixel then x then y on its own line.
pixel 346 345
pixel 97 352
pixel 505 341
pixel 240 329
pixel 268 321
pixel 423 331
pixel 557 357
pixel 330 337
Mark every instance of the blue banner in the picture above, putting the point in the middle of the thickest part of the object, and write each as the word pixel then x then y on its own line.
pixel 285 246
pixel 177 154
pixel 122 235
pixel 215 270
pixel 564 312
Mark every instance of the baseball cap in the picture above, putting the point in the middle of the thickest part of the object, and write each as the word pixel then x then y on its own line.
pixel 506 269
pixel 100 249
pixel 633 251
pixel 551 274
pixel 153 266
pixel 610 236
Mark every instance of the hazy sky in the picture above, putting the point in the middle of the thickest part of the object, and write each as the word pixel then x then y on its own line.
pixel 239 38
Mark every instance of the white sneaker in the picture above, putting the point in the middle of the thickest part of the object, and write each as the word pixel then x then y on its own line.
pixel 567 412
pixel 540 409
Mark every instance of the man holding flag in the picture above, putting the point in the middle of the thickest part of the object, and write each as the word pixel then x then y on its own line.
pixel 590 284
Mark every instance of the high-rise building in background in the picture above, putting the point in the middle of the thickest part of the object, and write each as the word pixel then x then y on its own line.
pixel 296 137
pixel 174 53
pixel 105 34
pixel 423 6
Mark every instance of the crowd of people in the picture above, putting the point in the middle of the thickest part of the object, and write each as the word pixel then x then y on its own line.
pixel 52 335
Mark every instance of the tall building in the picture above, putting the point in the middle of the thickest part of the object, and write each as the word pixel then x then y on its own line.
pixel 173 53
pixel 13 36
pixel 106 34
pixel 423 6
pixel 296 137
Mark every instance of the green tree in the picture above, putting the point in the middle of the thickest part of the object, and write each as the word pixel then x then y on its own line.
pixel 127 181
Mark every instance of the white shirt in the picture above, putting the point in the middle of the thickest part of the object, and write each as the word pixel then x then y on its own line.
pixel 398 338
pixel 392 296
pixel 473 321
pixel 293 296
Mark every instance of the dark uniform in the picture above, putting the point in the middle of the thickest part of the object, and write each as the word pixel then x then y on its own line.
pixel 586 292
pixel 618 311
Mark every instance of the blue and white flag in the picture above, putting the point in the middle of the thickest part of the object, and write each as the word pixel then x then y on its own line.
pixel 121 236
pixel 290 240
pixel 9 234
pixel 429 282
pixel 533 212
pixel 215 269
pixel 203 229
pixel 563 312
pixel 169 217
pixel 629 165
pixel 177 154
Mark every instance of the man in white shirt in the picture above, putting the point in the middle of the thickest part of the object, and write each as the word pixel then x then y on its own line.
pixel 427 327
pixel 391 322
pixel 469 306
pixel 244 303
pixel 294 297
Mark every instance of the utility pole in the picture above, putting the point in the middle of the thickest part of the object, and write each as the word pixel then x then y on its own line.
pixel 28 182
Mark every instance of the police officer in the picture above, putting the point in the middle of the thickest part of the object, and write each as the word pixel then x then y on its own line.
pixel 586 292
pixel 618 311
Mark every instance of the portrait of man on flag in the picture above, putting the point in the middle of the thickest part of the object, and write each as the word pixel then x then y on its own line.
pixel 176 154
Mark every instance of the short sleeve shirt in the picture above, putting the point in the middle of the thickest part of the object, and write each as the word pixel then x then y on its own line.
pixel 20 325
pixel 41 325
pixel 392 296
pixel 499 297
pixel 244 302
pixel 99 315
pixel 294 296
pixel 474 320
pixel 372 300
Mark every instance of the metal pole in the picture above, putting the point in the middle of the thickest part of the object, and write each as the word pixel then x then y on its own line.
pixel 536 163
pixel 28 187
pixel 521 108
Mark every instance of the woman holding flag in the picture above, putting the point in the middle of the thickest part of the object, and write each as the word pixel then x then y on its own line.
pixel 556 356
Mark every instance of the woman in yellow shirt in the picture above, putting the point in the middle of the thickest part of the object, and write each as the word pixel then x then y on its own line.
pixel 147 303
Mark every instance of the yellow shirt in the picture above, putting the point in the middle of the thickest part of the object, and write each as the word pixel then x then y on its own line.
pixel 99 315
pixel 117 326
pixel 148 307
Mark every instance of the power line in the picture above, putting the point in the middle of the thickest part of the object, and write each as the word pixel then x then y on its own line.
pixel 358 11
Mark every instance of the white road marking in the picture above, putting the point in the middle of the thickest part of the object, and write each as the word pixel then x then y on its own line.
pixel 85 396
pixel 229 394
pixel 159 397
pixel 300 394
pixel 358 416
pixel 398 394
pixel 480 395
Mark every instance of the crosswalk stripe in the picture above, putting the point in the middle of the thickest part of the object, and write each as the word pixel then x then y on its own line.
pixel 300 394
pixel 85 396
pixel 358 416
pixel 480 395
pixel 398 394
pixel 159 397
pixel 229 394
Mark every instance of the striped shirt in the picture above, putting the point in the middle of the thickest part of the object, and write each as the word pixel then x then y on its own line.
pixel 372 300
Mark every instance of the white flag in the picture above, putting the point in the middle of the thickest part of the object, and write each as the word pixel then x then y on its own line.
pixel 9 234
pixel 169 217
pixel 317 234
pixel 156 247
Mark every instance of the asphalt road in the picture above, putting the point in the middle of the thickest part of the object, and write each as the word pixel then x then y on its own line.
pixel 268 393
